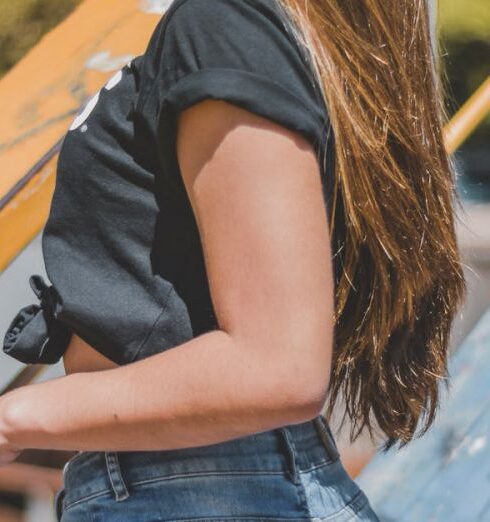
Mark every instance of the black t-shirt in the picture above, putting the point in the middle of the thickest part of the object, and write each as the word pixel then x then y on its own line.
pixel 121 245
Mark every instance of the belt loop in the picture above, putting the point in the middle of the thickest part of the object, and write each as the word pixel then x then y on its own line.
pixel 291 454
pixel 115 475
pixel 327 437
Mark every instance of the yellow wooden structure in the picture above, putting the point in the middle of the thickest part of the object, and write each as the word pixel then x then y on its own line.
pixel 41 95
pixel 469 116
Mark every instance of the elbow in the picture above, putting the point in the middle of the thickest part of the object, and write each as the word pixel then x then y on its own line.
pixel 308 404
pixel 315 401
pixel 13 418
pixel 298 389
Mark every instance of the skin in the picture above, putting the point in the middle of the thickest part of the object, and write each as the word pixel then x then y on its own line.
pixel 255 189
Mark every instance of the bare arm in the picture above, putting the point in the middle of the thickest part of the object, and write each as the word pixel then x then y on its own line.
pixel 256 193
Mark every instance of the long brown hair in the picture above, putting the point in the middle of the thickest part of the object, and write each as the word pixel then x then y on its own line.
pixel 392 217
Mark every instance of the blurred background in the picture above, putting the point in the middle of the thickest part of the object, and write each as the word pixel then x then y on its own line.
pixel 55 53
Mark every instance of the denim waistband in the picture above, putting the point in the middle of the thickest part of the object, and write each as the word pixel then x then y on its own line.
pixel 288 450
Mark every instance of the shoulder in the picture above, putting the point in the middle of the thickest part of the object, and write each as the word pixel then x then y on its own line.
pixel 202 7
pixel 216 13
pixel 249 34
pixel 241 51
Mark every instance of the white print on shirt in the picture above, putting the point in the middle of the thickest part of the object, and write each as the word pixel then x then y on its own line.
pixel 155 6
pixel 80 119
pixel 106 62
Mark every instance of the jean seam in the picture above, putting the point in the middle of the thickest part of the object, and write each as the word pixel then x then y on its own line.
pixel 330 518
pixel 318 465
pixel 245 518
pixel 67 506
pixel 216 473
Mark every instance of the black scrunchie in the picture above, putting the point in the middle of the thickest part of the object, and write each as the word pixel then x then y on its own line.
pixel 35 335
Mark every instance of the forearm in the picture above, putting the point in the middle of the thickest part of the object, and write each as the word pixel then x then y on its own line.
pixel 205 391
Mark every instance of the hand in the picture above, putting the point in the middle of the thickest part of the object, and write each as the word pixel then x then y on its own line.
pixel 8 451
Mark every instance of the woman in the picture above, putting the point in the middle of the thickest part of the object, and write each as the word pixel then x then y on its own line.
pixel 202 231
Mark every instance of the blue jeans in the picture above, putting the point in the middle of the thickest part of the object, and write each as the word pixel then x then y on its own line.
pixel 286 474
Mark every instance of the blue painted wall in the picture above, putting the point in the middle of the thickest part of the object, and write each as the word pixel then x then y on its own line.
pixel 445 475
